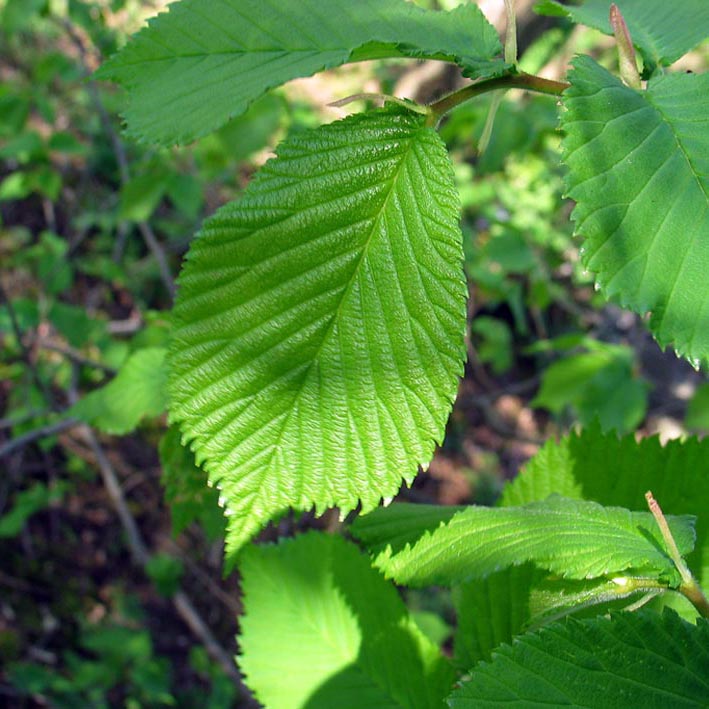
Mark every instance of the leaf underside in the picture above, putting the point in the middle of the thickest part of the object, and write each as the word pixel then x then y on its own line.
pixel 196 66
pixel 638 659
pixel 318 331
pixel 575 539
pixel 662 30
pixel 341 633
pixel 618 471
pixel 639 173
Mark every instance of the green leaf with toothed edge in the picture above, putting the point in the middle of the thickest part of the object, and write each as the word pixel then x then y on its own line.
pixel 662 30
pixel 573 538
pixel 638 659
pixel 591 465
pixel 319 326
pixel 639 172
pixel 196 66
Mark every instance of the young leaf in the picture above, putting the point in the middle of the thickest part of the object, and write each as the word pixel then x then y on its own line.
pixel 639 173
pixel 319 324
pixel 662 30
pixel 139 390
pixel 573 538
pixel 323 629
pixel 630 660
pixel 614 471
pixel 193 68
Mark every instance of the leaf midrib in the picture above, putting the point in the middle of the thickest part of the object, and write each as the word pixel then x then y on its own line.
pixel 345 296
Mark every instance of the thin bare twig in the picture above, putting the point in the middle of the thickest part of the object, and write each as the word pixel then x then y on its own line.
pixel 74 356
pixel 36 434
pixel 119 151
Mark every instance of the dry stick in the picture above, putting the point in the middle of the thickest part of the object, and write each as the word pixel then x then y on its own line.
pixel 120 153
pixel 37 433
pixel 141 556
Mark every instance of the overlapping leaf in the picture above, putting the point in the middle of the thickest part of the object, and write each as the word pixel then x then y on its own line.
pixel 631 660
pixel 572 538
pixel 618 471
pixel 662 30
pixel 319 325
pixel 138 390
pixel 200 64
pixel 639 173
pixel 323 629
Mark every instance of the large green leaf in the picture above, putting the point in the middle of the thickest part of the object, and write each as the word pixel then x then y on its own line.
pixel 618 471
pixel 200 64
pixel 639 173
pixel 319 324
pixel 631 660
pixel 323 629
pixel 662 30
pixel 572 538
pixel 138 390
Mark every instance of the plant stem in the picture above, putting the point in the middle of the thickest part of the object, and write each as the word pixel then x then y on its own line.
pixel 689 587
pixel 515 80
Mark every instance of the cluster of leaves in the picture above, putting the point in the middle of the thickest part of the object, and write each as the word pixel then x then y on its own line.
pixel 318 337
pixel 319 333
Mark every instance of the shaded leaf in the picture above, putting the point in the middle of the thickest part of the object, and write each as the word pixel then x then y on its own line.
pixel 639 173
pixel 323 629
pixel 631 660
pixel 664 31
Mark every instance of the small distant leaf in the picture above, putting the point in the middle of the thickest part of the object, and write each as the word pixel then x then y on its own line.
pixel 186 490
pixel 618 471
pixel 141 196
pixel 319 326
pixel 165 571
pixel 195 67
pixel 663 30
pixel 323 629
pixel 639 173
pixel 25 504
pixel 630 660
pixel 597 385
pixel 572 538
pixel 139 390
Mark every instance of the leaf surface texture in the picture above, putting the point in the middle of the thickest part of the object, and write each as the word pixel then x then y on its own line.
pixel 638 659
pixel 319 325
pixel 572 538
pixel 639 173
pixel 201 63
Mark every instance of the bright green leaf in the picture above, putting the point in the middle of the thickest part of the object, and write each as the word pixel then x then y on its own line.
pixel 615 471
pixel 195 67
pixel 139 390
pixel 630 660
pixel 323 629
pixel 572 538
pixel 663 30
pixel 319 326
pixel 639 173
